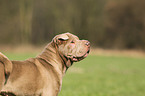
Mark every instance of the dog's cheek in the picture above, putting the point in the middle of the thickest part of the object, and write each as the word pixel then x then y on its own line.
pixel 72 49
pixel 69 50
pixel 72 46
pixel 63 49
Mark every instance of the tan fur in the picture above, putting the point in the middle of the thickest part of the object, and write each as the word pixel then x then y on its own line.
pixel 40 76
pixel 2 75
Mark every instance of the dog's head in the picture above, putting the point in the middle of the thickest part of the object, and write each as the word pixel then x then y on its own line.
pixel 71 47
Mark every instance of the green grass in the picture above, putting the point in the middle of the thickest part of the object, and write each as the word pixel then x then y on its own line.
pixel 102 76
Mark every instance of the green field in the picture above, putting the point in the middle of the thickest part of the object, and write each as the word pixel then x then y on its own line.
pixel 102 76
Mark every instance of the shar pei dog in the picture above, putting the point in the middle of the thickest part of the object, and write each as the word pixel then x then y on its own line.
pixel 42 75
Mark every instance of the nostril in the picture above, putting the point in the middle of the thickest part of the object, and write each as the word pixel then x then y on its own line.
pixel 88 44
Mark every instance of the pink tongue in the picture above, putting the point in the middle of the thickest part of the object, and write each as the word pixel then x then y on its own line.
pixel 74 59
pixel 86 55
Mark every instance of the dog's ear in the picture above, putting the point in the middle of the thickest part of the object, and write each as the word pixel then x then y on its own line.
pixel 60 39
pixel 63 37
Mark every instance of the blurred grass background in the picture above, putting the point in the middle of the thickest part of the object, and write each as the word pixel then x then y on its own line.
pixel 105 76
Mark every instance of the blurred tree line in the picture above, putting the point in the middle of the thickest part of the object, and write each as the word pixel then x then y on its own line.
pixel 106 23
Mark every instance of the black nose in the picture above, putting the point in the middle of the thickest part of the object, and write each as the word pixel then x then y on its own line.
pixel 87 43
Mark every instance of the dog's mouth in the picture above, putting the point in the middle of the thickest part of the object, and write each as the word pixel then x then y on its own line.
pixel 76 59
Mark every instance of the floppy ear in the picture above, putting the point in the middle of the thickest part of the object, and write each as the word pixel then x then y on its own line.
pixel 59 39
pixel 63 37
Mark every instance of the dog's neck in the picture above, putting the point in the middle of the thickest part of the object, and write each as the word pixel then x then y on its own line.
pixel 59 63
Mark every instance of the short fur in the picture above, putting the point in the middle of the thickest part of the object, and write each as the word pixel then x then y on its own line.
pixel 42 76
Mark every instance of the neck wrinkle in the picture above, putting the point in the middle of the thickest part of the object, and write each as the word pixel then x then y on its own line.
pixel 65 61
pixel 49 53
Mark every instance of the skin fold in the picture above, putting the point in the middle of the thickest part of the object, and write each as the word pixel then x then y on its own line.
pixel 42 75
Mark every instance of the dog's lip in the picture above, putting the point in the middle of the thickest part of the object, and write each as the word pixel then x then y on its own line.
pixel 75 59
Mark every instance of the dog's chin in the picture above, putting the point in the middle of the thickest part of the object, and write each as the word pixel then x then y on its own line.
pixel 79 58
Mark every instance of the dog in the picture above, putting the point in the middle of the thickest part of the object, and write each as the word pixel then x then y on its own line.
pixel 42 75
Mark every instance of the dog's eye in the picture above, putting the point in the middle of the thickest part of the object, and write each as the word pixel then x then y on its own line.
pixel 72 42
